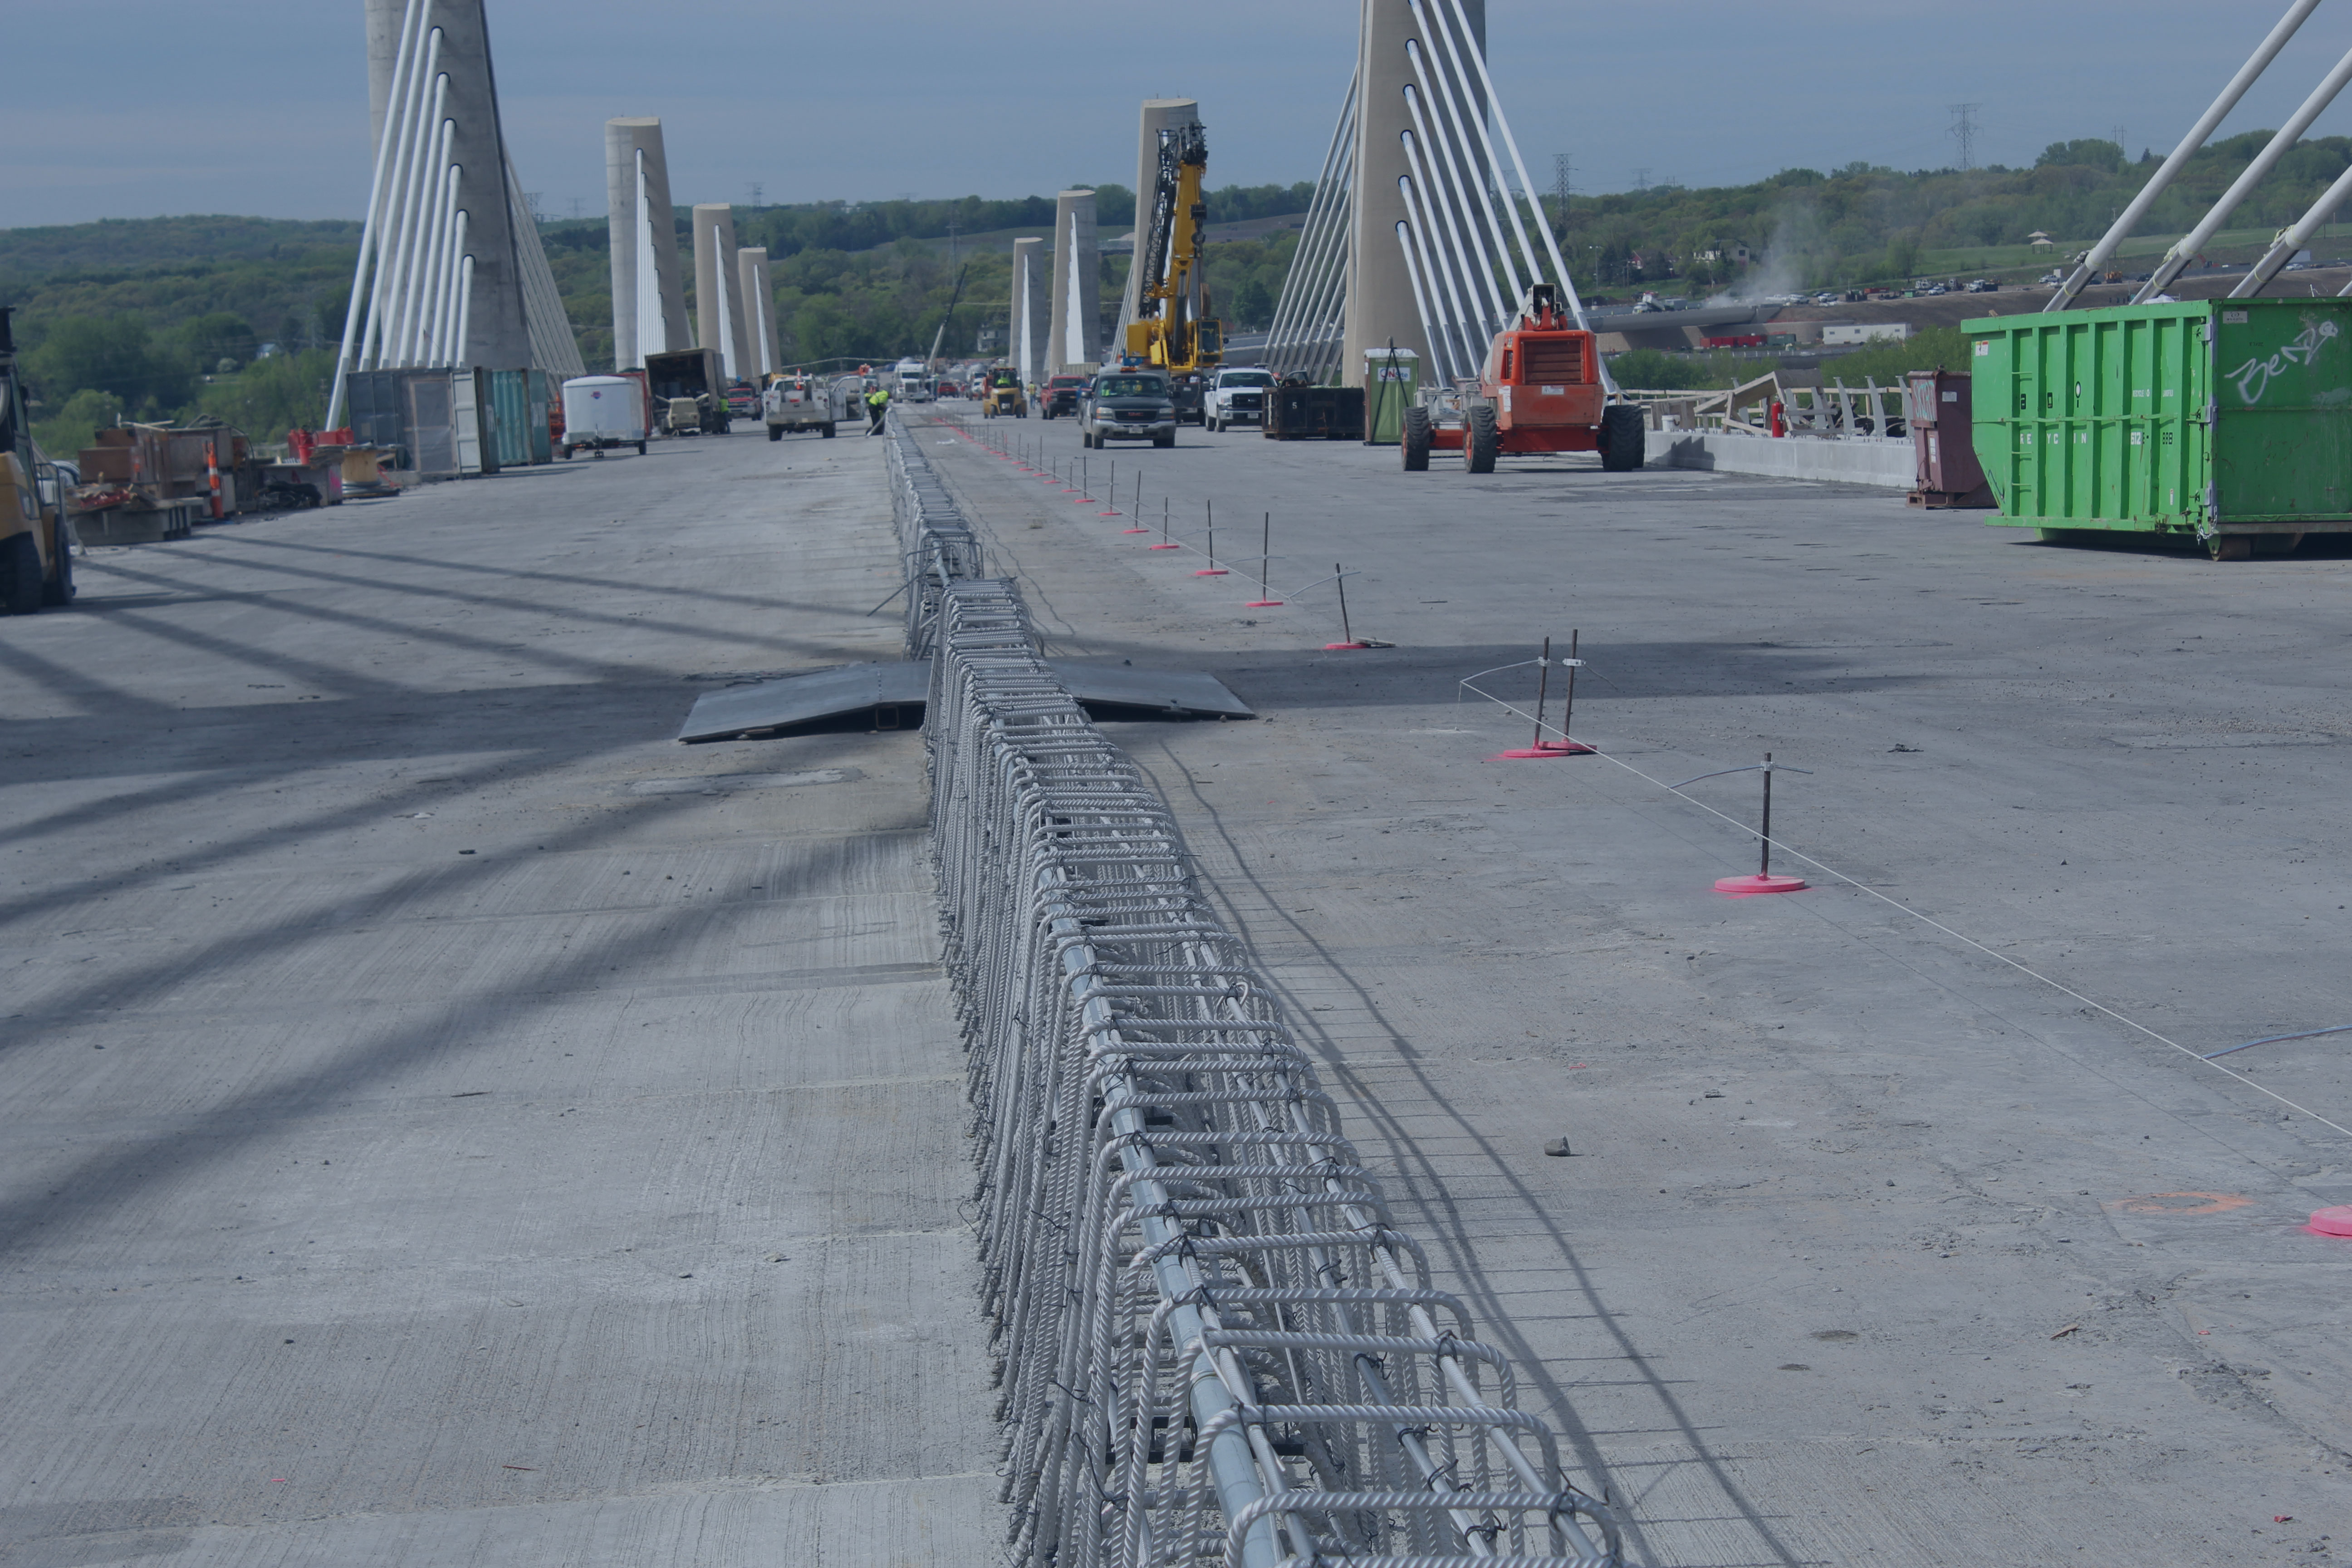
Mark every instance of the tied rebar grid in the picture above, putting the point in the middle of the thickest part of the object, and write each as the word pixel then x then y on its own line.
pixel 1215 1344
pixel 935 545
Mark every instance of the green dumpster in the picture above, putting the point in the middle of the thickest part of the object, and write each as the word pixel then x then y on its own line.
pixel 1390 374
pixel 2224 422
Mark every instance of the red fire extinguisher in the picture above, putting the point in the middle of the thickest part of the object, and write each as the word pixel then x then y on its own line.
pixel 1779 418
pixel 212 474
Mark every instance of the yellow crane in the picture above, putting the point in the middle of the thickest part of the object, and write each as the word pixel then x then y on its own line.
pixel 1172 328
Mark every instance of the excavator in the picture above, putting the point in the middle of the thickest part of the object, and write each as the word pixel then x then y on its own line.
pixel 1172 329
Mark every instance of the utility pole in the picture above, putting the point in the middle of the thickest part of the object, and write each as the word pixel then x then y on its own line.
pixel 1964 131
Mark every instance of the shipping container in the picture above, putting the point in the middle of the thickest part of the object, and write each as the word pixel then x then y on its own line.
pixel 2224 422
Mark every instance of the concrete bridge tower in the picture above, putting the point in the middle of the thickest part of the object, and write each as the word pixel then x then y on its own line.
pixel 1076 321
pixel 1380 306
pixel 719 288
pixel 1031 310
pixel 648 282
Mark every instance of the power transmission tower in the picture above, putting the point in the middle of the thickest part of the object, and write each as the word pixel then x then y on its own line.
pixel 575 208
pixel 2119 145
pixel 1964 131
pixel 1641 179
pixel 755 196
pixel 1563 179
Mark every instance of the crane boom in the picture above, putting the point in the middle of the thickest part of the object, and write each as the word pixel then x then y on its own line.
pixel 1173 328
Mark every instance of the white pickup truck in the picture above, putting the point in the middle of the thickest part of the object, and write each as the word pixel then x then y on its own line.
pixel 1236 397
pixel 796 403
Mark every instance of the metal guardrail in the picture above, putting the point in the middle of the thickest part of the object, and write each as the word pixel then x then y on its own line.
pixel 1215 1344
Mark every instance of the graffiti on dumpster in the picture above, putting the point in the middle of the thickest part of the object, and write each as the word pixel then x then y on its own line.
pixel 2253 377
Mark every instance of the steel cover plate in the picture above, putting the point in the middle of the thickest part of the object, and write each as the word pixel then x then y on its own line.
pixel 830 693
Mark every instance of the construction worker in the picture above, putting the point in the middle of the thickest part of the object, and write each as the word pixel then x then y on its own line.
pixel 876 401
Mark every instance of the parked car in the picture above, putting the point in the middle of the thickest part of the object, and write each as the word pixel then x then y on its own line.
pixel 1983 286
pixel 1129 405
pixel 1237 397
pixel 1060 395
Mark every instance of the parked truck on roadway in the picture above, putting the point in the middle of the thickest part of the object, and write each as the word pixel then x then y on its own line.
pixel 689 376
pixel 796 403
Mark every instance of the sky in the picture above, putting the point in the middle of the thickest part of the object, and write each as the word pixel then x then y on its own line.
pixel 259 107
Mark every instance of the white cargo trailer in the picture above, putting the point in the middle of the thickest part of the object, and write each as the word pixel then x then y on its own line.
pixel 601 411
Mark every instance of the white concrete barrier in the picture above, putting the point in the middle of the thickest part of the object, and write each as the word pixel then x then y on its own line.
pixel 1885 464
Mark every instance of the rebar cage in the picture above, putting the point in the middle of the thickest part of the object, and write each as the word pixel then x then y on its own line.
pixel 1214 1342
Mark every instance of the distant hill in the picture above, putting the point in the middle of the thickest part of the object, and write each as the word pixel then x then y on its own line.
pixel 121 243
pixel 1803 229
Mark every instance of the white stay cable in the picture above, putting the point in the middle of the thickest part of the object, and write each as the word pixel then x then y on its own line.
pixel 1478 174
pixel 1443 203
pixel 394 106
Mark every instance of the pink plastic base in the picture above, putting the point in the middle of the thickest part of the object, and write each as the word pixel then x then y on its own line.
pixel 1342 646
pixel 1564 748
pixel 1260 604
pixel 1528 754
pixel 1108 514
pixel 1213 572
pixel 2337 1221
pixel 1751 885
pixel 1135 530
pixel 1162 546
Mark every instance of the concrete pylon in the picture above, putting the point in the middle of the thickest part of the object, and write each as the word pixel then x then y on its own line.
pixel 1380 307
pixel 719 286
pixel 759 312
pixel 1158 113
pixel 498 324
pixel 1076 336
pixel 648 280
pixel 1031 302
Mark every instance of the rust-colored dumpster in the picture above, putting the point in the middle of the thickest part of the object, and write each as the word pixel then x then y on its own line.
pixel 1936 409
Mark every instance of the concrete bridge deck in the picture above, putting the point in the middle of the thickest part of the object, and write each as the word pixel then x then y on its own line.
pixel 447 1120
pixel 1863 1255
pixel 368 1201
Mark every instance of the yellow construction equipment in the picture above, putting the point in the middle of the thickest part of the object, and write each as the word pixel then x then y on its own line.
pixel 1172 328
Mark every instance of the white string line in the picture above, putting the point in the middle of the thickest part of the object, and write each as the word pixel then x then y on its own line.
pixel 1173 538
pixel 2059 986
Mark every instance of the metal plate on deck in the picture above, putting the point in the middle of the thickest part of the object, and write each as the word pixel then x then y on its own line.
pixel 1187 692
pixel 832 693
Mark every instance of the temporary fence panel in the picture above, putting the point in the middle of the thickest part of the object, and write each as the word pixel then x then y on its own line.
pixel 432 430
pixel 473 418
pixel 541 392
pixel 507 417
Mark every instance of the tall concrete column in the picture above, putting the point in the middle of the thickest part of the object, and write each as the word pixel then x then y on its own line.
pixel 1030 308
pixel 759 313
pixel 497 323
pixel 1076 335
pixel 648 280
pixel 1158 113
pixel 719 286
pixel 1380 307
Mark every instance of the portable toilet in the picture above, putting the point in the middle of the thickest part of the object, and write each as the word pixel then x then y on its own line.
pixel 1391 385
